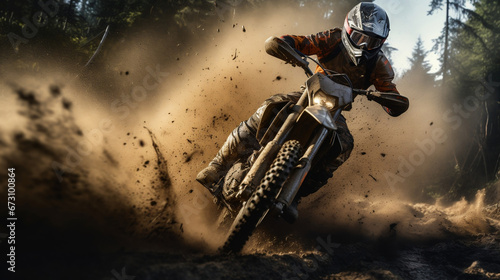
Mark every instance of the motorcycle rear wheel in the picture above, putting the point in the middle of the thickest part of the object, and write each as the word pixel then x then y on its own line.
pixel 258 205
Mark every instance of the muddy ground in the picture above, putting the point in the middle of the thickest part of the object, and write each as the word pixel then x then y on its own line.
pixel 474 258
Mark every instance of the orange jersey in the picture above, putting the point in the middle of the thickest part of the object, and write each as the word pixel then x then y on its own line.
pixel 325 46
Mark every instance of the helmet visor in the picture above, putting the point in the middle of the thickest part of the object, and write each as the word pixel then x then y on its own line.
pixel 363 40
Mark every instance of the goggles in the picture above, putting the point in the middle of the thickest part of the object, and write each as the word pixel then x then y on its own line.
pixel 362 40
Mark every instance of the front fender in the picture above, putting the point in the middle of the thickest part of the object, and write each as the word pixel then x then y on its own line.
pixel 321 115
pixel 308 122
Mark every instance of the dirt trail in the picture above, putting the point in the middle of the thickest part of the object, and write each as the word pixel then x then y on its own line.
pixel 475 258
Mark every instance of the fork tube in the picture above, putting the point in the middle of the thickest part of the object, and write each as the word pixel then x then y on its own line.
pixel 298 175
pixel 337 114
pixel 266 157
pixel 285 129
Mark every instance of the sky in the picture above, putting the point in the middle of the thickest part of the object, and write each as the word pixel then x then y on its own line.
pixel 409 20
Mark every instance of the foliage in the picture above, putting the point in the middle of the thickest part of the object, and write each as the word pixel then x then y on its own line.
pixel 475 49
pixel 419 66
pixel 81 20
pixel 473 71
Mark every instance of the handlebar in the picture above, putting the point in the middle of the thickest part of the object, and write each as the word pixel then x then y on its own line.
pixel 394 101
pixel 280 49
pixel 370 94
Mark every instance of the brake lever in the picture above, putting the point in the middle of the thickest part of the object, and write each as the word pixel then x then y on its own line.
pixel 369 95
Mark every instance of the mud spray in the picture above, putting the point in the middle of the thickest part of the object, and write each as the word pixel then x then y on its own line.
pixel 108 160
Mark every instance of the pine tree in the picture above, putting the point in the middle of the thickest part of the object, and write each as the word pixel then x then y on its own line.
pixel 420 69
pixel 418 60
pixel 442 43
pixel 475 69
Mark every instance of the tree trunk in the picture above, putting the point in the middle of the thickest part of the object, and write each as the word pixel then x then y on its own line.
pixel 446 34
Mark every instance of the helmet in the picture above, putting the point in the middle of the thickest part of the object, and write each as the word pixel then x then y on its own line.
pixel 365 29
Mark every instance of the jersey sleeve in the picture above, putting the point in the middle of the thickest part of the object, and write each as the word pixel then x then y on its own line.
pixel 315 44
pixel 382 78
pixel 383 75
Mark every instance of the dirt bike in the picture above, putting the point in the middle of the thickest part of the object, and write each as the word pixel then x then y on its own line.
pixel 293 137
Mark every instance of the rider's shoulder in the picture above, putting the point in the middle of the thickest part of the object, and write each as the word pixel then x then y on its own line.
pixel 331 36
pixel 333 32
pixel 383 64
pixel 382 58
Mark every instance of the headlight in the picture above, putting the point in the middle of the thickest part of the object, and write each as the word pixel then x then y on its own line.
pixel 320 98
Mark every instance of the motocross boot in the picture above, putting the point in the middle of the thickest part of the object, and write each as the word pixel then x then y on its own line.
pixel 239 144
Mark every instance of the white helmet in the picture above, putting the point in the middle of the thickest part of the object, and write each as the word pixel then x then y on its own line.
pixel 365 29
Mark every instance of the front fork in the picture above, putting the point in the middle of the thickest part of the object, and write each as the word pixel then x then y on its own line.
pixel 298 175
pixel 267 155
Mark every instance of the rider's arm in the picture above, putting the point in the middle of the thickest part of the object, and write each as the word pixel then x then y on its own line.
pixel 318 44
pixel 381 78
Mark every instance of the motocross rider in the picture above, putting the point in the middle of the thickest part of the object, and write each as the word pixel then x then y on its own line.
pixel 354 50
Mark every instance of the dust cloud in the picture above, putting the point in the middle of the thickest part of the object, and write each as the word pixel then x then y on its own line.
pixel 115 150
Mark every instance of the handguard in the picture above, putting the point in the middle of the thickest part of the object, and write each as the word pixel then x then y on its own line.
pixel 393 103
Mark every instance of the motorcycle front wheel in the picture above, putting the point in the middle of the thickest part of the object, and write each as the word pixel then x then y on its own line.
pixel 258 205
